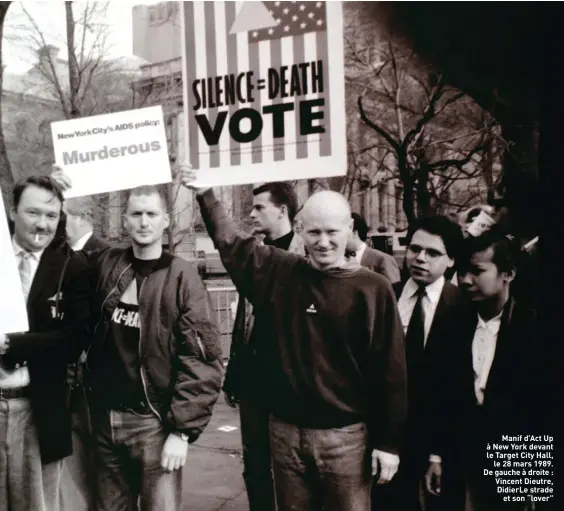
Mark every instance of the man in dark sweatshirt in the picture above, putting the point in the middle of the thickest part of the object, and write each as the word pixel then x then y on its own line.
pixel 334 365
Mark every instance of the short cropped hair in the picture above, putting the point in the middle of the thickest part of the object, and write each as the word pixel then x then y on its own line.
pixel 43 182
pixel 281 194
pixel 147 190
pixel 84 207
pixel 448 230
pixel 506 249
pixel 360 226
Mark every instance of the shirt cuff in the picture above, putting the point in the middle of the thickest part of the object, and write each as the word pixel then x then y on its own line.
pixel 435 459
pixel 387 457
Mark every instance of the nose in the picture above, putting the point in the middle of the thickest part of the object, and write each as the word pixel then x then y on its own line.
pixel 323 241
pixel 253 214
pixel 144 220
pixel 41 222
pixel 421 256
pixel 464 279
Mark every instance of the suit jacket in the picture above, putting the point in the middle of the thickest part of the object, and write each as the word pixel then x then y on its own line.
pixel 421 372
pixel 95 243
pixel 514 392
pixel 59 311
pixel 381 263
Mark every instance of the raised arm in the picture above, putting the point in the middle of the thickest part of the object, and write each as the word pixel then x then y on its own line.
pixel 251 266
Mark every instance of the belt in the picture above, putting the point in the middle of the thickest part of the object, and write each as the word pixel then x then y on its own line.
pixel 14 393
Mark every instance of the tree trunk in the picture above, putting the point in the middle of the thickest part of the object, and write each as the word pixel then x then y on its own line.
pixel 73 64
pixel 6 176
pixel 520 174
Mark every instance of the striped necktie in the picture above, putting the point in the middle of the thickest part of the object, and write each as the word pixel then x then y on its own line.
pixel 25 272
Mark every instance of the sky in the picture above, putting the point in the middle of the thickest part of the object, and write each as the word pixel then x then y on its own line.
pixel 50 17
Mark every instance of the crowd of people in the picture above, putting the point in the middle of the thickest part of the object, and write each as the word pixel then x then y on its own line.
pixel 359 387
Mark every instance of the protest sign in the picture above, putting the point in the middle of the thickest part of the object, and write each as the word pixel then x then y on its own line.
pixel 111 152
pixel 13 312
pixel 480 224
pixel 263 90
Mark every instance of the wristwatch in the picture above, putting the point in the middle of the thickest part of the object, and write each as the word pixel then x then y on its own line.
pixel 182 436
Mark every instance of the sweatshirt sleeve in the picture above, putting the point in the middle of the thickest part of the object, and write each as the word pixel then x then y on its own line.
pixel 387 374
pixel 251 266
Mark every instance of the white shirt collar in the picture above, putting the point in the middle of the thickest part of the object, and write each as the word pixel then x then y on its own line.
pixel 492 325
pixel 433 291
pixel 360 252
pixel 79 244
pixel 18 250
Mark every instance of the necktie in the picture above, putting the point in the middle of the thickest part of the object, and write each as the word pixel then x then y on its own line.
pixel 25 272
pixel 415 336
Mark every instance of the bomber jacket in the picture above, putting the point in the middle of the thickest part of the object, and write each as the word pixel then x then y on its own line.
pixel 179 344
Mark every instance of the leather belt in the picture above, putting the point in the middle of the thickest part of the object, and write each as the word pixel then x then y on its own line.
pixel 14 393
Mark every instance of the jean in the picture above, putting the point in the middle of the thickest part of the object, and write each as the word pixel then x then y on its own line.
pixel 128 463
pixel 257 462
pixel 25 483
pixel 321 469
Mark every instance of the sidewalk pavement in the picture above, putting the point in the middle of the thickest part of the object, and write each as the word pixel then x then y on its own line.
pixel 214 470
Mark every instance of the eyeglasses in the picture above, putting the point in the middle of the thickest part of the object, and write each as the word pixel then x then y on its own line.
pixel 431 252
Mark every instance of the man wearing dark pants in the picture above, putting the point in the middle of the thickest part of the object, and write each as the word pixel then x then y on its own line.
pixel 335 362
pixel 274 209
pixel 35 424
pixel 426 304
pixel 78 479
pixel 154 369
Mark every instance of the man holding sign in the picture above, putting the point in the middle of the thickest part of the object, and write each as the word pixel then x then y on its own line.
pixel 35 423
pixel 334 366
pixel 154 369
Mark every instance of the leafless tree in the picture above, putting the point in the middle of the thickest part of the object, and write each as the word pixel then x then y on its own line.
pixel 6 176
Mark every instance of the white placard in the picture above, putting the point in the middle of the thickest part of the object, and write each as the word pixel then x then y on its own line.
pixel 264 90
pixel 13 313
pixel 111 152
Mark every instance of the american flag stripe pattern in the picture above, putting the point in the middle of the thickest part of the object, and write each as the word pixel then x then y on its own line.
pixel 300 35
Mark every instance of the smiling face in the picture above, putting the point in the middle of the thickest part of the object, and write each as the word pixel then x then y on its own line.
pixel 146 219
pixel 426 257
pixel 36 218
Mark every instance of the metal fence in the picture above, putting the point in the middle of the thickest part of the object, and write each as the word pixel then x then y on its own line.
pixel 224 301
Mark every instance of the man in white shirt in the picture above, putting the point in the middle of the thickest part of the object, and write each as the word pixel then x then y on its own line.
pixel 369 257
pixel 80 224
pixel 425 304
pixel 491 377
pixel 34 415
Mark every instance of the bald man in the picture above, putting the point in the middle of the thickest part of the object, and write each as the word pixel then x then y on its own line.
pixel 334 361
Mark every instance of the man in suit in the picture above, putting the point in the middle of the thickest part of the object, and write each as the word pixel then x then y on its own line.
pixel 274 209
pixel 425 302
pixel 79 225
pixel 35 422
pixel 491 382
pixel 78 478
pixel 368 257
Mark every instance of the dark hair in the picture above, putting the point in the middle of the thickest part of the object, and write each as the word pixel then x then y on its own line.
pixel 281 194
pixel 147 190
pixel 506 249
pixel 440 225
pixel 43 182
pixel 360 226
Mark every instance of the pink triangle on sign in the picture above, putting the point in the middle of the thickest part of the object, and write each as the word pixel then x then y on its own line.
pixel 252 16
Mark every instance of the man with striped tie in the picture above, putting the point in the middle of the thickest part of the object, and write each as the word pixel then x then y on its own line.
pixel 34 415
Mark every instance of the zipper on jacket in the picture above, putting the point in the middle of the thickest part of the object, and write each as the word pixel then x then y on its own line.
pixel 141 369
pixel 201 346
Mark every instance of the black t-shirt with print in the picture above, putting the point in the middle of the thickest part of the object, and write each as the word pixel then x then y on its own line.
pixel 121 381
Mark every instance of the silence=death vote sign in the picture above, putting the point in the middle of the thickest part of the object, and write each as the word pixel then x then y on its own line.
pixel 264 90
pixel 13 313
pixel 106 153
